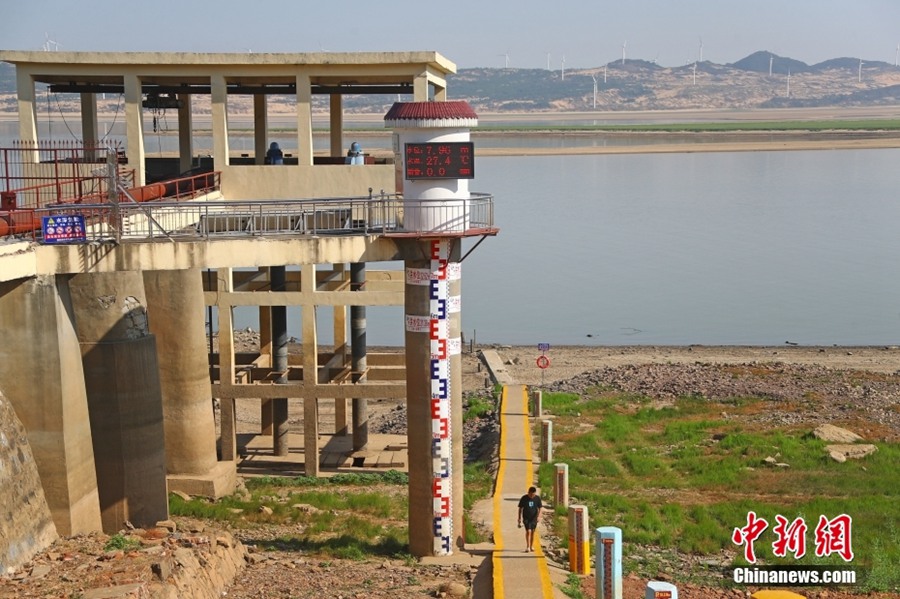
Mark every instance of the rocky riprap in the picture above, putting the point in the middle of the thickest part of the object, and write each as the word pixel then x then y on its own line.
pixel 814 393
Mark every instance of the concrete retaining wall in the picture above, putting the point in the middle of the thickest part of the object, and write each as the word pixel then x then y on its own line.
pixel 25 523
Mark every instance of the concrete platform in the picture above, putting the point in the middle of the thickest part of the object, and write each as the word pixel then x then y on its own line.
pixel 384 452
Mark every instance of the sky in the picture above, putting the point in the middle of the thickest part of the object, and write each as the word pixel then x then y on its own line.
pixel 485 33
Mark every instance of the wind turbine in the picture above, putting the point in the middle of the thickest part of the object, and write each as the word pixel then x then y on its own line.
pixel 563 69
pixel 897 56
pixel 623 52
pixel 505 59
pixel 49 44
pixel 604 73
pixel 594 77
pixel 859 77
pixel 695 73
pixel 789 84
pixel 771 59
pixel 701 49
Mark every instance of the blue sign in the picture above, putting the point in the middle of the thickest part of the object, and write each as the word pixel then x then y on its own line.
pixel 64 228
pixel 543 347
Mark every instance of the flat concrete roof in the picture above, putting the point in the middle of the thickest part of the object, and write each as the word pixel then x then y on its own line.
pixel 329 72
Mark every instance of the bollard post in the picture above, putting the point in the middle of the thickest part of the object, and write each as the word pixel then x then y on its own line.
pixel 661 590
pixel 561 486
pixel 546 440
pixel 609 562
pixel 579 539
pixel 537 409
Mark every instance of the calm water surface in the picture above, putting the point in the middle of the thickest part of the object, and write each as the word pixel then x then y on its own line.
pixel 708 248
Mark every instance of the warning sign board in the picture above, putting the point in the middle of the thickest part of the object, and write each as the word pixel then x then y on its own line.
pixel 65 228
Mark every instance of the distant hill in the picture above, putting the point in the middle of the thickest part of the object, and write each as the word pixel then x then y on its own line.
pixel 636 84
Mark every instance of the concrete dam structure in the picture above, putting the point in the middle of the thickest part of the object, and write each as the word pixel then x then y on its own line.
pixel 117 266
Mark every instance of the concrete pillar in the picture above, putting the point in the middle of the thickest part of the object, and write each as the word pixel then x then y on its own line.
pixel 134 127
pixel 359 365
pixel 608 552
pixel 260 129
pixel 340 360
pixel 660 590
pixel 431 435
pixel 280 427
pixel 310 373
pixel 537 403
pixel 579 540
pixel 89 133
pixel 304 121
pixel 185 133
pixel 420 88
pixel 546 440
pixel 336 124
pixel 26 100
pixel 227 423
pixel 219 96
pixel 561 486
pixel 175 311
pixel 121 374
pixel 39 339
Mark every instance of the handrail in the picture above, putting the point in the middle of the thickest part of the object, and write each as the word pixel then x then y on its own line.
pixel 192 220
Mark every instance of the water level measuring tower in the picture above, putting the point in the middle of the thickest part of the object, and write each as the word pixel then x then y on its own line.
pixel 435 161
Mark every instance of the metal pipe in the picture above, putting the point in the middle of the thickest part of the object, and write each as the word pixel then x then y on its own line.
pixel 279 364
pixel 360 415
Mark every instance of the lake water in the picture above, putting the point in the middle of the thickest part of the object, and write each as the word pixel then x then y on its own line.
pixel 752 248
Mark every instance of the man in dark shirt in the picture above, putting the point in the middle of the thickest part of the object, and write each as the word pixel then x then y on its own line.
pixel 529 514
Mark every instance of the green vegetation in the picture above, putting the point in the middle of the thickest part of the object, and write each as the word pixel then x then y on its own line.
pixel 120 542
pixel 478 407
pixel 572 587
pixel 683 477
pixel 349 516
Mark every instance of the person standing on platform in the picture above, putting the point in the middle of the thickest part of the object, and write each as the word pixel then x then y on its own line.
pixel 529 513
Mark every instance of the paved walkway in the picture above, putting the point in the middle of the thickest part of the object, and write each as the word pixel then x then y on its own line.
pixel 517 574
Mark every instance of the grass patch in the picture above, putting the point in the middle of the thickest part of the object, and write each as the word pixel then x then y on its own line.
pixel 120 542
pixel 681 477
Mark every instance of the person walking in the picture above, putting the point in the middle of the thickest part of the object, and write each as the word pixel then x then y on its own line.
pixel 529 513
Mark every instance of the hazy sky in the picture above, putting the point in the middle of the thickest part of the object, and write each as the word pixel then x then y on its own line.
pixel 470 33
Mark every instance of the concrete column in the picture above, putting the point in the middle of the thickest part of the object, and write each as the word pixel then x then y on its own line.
pixel 420 88
pixel 608 555
pixel 121 373
pixel 359 364
pixel 663 590
pixel 185 133
pixel 579 540
pixel 561 486
pixel 310 373
pixel 429 399
pixel 336 105
pixel 546 440
pixel 340 359
pixel 225 283
pixel 89 133
pixel 537 400
pixel 26 101
pixel 260 129
pixel 134 127
pixel 219 94
pixel 39 339
pixel 304 121
pixel 440 93
pixel 280 427
pixel 175 311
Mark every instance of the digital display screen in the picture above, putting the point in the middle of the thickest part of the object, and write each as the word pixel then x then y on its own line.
pixel 446 160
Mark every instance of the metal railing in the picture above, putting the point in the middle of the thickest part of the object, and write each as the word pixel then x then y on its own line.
pixel 371 215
